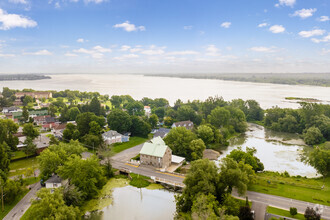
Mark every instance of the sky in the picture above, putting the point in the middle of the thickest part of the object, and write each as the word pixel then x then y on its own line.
pixel 164 36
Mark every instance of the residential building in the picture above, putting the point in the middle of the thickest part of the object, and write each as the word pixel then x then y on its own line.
pixel 187 124
pixel 111 137
pixel 11 109
pixel 156 153
pixel 147 110
pixel 54 182
pixel 161 132
pixel 36 95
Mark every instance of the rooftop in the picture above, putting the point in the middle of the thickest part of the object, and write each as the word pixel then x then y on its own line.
pixel 156 147
pixel 54 179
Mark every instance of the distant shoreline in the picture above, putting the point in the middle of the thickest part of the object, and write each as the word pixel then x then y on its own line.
pixel 16 77
pixel 322 80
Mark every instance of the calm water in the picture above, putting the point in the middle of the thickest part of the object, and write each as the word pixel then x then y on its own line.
pixel 130 203
pixel 139 86
pixel 274 155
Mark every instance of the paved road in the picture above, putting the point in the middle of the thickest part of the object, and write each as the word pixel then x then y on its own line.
pixel 126 155
pixel 284 203
pixel 17 212
pixel 259 210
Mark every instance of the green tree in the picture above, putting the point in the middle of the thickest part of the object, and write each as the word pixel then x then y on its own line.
pixel 51 205
pixel 319 159
pixel 293 211
pixel 253 111
pixel 7 130
pixel 139 127
pixel 197 148
pixel 95 106
pixel 116 101
pixel 4 158
pixel 27 99
pixel 87 175
pixel 119 121
pixel 311 214
pixel 135 108
pixel 245 213
pixel 73 113
pixel 69 132
pixel 55 155
pixel 30 148
pixel 205 133
pixel 205 207
pixel 186 113
pixel 179 140
pixel 247 157
pixel 219 117
pixel 84 120
pixel 313 136
pixel 30 131
pixel 25 114
pixel 153 120
pixel 72 196
pixel 52 110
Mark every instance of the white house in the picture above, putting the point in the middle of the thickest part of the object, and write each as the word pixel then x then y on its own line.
pixel 147 110
pixel 187 124
pixel 111 137
pixel 54 182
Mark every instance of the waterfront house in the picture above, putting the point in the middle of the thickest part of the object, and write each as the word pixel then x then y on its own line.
pixel 156 153
pixel 187 124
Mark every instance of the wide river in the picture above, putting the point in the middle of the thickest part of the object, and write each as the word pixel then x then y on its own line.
pixel 139 86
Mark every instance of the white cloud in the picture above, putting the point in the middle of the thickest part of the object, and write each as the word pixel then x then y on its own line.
pixel 276 29
pixel 39 53
pixel 184 52
pixel 263 25
pixel 188 27
pixel 6 55
pixel 9 21
pixel 70 54
pixel 312 33
pixel 129 27
pixel 18 1
pixel 287 2
pixel 325 51
pixel 91 1
pixel 226 24
pixel 127 56
pixel 57 5
pixel 324 39
pixel 305 13
pixel 324 18
pixel 264 49
pixel 153 52
pixel 125 48
pixel 212 50
pixel 136 49
pixel 102 49
pixel 81 40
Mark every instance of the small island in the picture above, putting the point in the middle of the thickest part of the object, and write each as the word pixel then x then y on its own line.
pixel 12 77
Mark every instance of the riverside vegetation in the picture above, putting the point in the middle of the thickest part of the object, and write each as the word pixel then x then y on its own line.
pixel 215 122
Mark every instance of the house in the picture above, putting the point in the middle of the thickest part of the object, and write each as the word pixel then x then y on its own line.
pixel 162 132
pixel 54 182
pixel 177 160
pixel 41 142
pixel 147 110
pixel 36 95
pixel 187 124
pixel 58 129
pixel 11 109
pixel 111 137
pixel 156 153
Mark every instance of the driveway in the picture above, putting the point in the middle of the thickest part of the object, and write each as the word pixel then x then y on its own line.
pixel 126 155
pixel 18 211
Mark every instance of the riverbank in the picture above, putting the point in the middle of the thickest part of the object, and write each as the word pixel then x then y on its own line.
pixel 313 190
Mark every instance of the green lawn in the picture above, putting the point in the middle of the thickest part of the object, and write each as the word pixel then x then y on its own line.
pixel 8 207
pixel 133 141
pixel 18 154
pixel 285 213
pixel 139 181
pixel 300 188
pixel 19 167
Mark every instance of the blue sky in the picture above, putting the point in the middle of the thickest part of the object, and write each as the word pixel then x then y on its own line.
pixel 164 36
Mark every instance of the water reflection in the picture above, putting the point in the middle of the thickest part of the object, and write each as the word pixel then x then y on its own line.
pixel 130 203
pixel 275 155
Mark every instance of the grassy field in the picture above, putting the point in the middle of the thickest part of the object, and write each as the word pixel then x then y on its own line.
pixel 285 213
pixel 139 181
pixel 8 207
pixel 19 167
pixel 133 141
pixel 19 154
pixel 300 188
